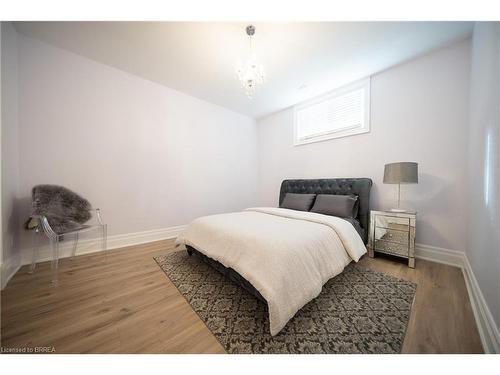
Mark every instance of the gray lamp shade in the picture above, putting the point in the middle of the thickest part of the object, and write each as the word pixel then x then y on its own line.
pixel 401 173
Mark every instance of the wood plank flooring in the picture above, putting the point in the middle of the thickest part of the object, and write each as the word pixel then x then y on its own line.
pixel 128 305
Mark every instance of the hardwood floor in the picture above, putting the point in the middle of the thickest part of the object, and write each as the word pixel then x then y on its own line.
pixel 128 305
pixel 441 318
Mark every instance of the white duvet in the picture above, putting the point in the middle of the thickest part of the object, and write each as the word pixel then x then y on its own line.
pixel 286 255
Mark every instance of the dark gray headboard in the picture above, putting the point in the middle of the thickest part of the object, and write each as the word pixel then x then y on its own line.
pixel 344 186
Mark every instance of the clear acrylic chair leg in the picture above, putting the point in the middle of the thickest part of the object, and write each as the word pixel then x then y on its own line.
pixel 34 252
pixel 54 242
pixel 75 244
pixel 104 239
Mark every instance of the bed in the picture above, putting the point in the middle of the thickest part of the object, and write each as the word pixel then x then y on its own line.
pixel 282 256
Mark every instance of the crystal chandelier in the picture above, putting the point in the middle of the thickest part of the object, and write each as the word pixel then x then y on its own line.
pixel 250 74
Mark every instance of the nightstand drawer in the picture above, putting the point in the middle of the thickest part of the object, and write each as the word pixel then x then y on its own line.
pixel 391 235
pixel 392 222
pixel 392 248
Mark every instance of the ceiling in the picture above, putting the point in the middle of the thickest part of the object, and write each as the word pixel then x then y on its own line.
pixel 301 60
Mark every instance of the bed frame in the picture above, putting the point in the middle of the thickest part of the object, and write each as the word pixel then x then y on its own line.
pixel 337 186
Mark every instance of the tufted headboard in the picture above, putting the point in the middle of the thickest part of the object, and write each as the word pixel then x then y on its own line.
pixel 343 186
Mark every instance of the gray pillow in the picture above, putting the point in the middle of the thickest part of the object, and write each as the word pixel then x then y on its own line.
pixel 355 210
pixel 299 202
pixel 335 205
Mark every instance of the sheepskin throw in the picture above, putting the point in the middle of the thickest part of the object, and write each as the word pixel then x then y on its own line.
pixel 65 210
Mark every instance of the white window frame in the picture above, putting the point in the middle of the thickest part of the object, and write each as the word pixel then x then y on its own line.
pixel 362 83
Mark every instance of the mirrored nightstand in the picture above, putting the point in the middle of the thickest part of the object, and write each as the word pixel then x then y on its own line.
pixel 393 233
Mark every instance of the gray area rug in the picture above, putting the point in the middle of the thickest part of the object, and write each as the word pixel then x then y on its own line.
pixel 358 311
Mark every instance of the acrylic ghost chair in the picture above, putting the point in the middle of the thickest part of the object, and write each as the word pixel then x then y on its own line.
pixel 62 214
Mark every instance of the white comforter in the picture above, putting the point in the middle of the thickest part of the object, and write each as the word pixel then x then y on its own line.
pixel 286 255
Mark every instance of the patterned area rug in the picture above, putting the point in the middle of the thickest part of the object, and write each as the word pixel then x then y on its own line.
pixel 358 311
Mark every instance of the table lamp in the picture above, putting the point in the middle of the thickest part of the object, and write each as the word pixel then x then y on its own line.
pixel 401 173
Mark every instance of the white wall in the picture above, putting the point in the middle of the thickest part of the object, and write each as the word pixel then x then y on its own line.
pixel 418 113
pixel 10 153
pixel 483 193
pixel 148 156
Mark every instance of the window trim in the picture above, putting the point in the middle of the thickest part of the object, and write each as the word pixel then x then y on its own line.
pixel 345 132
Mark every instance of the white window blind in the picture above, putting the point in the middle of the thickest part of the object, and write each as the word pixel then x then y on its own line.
pixel 337 114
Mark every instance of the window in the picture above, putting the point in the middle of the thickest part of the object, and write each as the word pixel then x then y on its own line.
pixel 342 112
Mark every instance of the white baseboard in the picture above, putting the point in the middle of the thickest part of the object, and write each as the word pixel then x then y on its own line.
pixel 91 246
pixel 488 330
pixel 8 269
pixel 440 255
